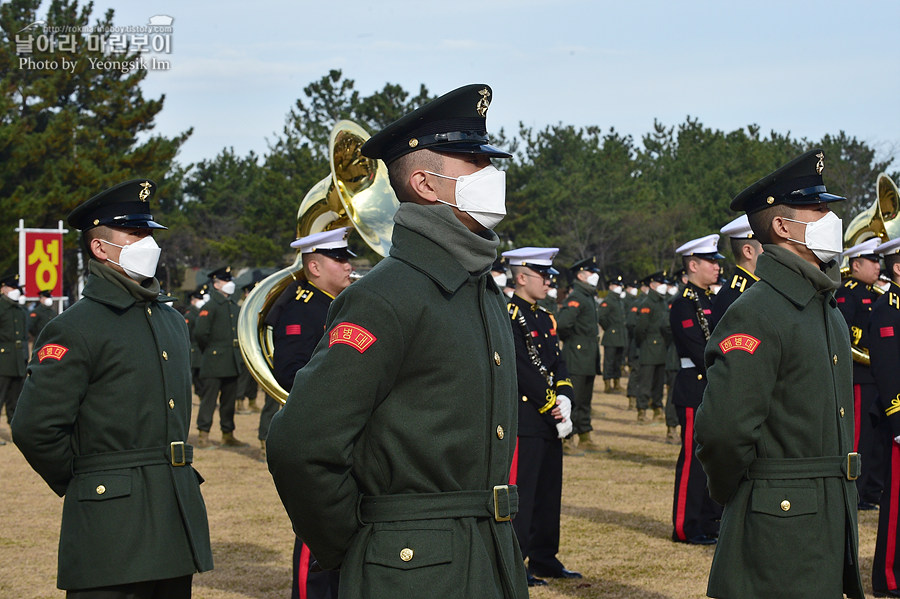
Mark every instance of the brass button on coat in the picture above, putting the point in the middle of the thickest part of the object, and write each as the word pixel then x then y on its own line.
pixel 834 359
pixel 842 412
pixel 165 355
pixel 497 358
pixel 699 377
pixel 149 312
pixel 406 554
pixel 500 432
pixel 171 404
pixel 101 489
pixel 785 505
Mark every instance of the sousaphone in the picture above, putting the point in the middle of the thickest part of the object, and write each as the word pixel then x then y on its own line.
pixel 356 193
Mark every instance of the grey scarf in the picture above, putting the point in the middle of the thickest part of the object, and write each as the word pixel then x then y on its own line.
pixel 146 291
pixel 475 252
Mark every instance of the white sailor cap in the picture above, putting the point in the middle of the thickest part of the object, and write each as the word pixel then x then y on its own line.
pixel 866 249
pixel 739 228
pixel 889 247
pixel 539 259
pixel 332 243
pixel 703 247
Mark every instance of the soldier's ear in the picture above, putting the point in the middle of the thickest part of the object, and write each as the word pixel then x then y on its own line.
pixel 895 270
pixel 422 186
pixel 780 228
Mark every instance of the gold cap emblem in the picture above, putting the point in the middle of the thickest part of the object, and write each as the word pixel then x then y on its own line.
pixel 484 102
pixel 770 200
pixel 820 165
pixel 145 192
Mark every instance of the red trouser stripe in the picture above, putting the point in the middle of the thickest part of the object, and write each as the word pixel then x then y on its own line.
pixel 891 548
pixel 514 468
pixel 303 570
pixel 688 447
pixel 857 408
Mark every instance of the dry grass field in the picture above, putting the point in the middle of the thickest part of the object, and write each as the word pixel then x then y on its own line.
pixel 616 521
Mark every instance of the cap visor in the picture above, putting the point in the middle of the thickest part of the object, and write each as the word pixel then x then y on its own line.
pixel 470 148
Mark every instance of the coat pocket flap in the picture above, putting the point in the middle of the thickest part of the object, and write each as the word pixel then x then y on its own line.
pixel 408 549
pixel 784 502
pixel 103 486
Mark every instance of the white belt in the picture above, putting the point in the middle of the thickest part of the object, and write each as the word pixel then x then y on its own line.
pixel 687 363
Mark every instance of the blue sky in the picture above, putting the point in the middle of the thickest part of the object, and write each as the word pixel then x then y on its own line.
pixel 804 67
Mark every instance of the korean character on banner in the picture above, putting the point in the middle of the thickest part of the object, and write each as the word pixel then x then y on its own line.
pixel 140 42
pixel 24 45
pixel 95 42
pixel 161 42
pixel 66 42
pixel 117 43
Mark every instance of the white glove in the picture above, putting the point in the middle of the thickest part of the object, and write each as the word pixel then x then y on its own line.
pixel 564 428
pixel 565 406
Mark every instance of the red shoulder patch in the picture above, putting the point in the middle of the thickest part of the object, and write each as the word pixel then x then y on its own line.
pixel 841 300
pixel 867 300
pixel 573 304
pixel 52 350
pixel 292 329
pixel 603 304
pixel 353 335
pixel 645 310
pixel 886 331
pixel 748 343
pixel 686 324
pixel 204 313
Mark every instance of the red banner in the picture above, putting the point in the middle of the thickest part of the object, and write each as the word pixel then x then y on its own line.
pixel 43 262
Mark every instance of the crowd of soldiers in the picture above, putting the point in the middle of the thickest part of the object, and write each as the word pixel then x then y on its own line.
pixel 431 403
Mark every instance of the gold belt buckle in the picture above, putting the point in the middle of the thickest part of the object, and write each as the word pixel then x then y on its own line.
pixel 497 515
pixel 850 456
pixel 172 446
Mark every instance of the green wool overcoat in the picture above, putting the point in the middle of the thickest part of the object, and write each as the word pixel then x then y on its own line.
pixel 216 336
pixel 190 318
pixel 13 338
pixel 577 321
pixel 38 318
pixel 611 316
pixel 779 393
pixel 400 431
pixel 652 331
pixel 108 389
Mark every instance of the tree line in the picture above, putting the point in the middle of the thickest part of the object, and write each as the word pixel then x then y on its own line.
pixel 64 136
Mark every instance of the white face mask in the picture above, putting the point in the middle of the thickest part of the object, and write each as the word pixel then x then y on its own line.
pixel 138 259
pixel 615 289
pixel 500 280
pixel 205 297
pixel 551 292
pixel 673 290
pixel 593 279
pixel 622 294
pixel 227 287
pixel 482 195
pixel 14 295
pixel 633 291
pixel 824 237
pixel 47 301
pixel 662 289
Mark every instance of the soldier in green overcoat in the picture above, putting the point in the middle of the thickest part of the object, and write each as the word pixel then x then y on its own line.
pixel 611 315
pixel 197 299
pixel 392 454
pixel 41 314
pixel 105 413
pixel 652 334
pixel 579 330
pixel 775 429
pixel 221 360
pixel 13 343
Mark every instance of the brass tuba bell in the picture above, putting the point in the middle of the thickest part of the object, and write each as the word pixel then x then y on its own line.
pixel 880 219
pixel 357 193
